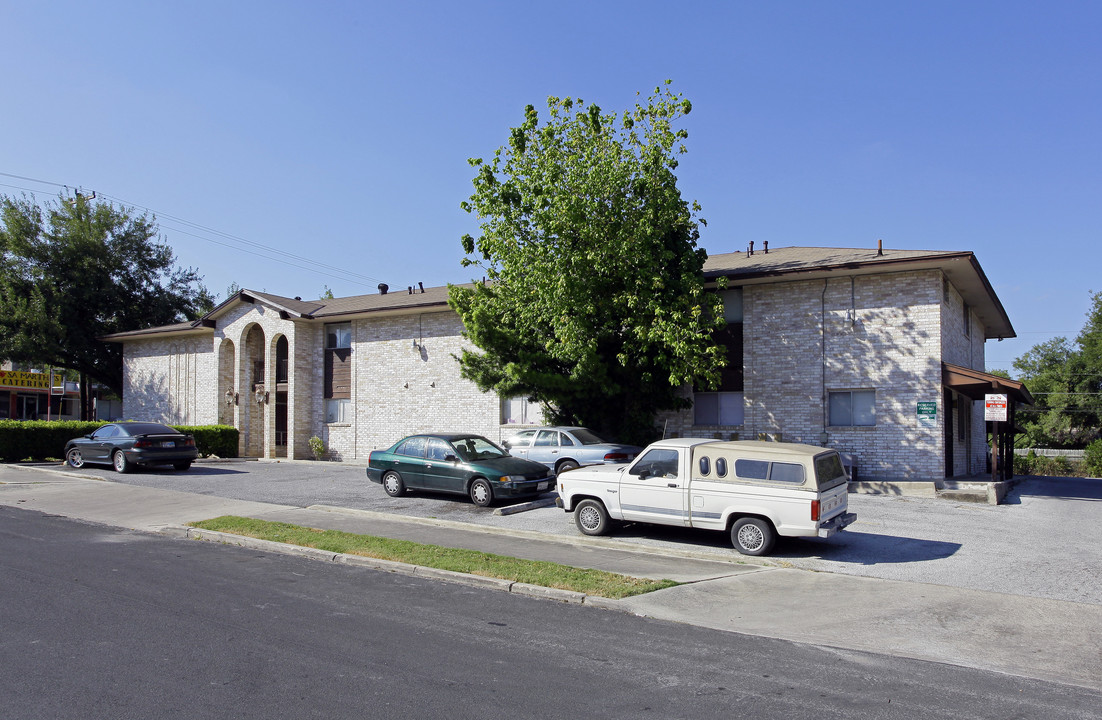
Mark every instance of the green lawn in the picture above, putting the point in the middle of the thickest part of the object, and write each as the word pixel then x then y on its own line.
pixel 534 572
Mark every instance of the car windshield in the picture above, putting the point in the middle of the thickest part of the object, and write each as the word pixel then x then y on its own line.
pixel 586 437
pixel 476 448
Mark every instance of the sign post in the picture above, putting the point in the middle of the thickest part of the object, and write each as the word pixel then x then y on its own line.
pixel 994 411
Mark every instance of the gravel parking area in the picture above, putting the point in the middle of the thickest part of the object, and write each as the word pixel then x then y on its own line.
pixel 1045 541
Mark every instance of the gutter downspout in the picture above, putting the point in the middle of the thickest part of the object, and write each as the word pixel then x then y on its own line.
pixel 822 321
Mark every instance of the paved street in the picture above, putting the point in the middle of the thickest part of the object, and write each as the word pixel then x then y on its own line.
pixel 107 623
pixel 1044 542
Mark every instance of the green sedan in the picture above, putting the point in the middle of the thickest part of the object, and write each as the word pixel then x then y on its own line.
pixel 458 463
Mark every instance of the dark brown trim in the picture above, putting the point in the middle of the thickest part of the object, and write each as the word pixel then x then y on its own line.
pixel 976 383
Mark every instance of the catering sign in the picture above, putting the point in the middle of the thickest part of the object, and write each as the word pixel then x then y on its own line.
pixel 16 379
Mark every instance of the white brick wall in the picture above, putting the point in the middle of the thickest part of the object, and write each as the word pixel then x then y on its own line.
pixel 802 339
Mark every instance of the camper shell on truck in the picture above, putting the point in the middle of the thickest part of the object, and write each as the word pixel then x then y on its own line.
pixel 754 490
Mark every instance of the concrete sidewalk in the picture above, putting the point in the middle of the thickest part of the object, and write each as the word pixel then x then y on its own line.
pixel 1026 636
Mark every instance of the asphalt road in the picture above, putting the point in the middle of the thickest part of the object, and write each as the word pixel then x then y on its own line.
pixel 1046 541
pixel 101 622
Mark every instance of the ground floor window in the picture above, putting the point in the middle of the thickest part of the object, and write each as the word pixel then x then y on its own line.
pixel 338 410
pixel 520 411
pixel 849 408
pixel 717 408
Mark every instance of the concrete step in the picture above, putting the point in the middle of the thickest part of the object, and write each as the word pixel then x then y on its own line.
pixel 973 495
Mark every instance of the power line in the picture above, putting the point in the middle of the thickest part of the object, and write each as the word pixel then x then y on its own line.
pixel 292 259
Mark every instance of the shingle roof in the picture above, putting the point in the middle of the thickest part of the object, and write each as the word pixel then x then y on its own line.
pixel 777 261
pixel 960 267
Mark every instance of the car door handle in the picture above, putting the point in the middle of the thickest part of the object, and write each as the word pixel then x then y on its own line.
pixel 671 485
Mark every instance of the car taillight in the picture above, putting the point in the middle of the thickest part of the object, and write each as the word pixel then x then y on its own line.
pixel 815 511
pixel 617 456
pixel 143 443
pixel 189 441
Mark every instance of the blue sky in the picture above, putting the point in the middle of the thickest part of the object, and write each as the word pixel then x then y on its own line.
pixel 339 132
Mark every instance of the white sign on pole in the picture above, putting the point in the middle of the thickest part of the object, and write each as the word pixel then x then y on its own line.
pixel 994 408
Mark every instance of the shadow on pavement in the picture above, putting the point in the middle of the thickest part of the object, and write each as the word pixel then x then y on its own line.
pixel 860 548
pixel 1071 488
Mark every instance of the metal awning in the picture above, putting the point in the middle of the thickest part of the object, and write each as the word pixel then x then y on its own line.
pixel 976 383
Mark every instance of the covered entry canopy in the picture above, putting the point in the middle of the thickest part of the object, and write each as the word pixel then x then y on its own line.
pixel 975 384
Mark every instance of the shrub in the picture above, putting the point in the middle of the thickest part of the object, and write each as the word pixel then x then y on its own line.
pixel 317 447
pixel 217 440
pixel 1092 460
pixel 45 439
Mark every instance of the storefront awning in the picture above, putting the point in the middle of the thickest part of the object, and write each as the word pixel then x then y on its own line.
pixel 976 383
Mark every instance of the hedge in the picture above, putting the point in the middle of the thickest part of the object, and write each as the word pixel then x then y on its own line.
pixel 45 439
pixel 1060 466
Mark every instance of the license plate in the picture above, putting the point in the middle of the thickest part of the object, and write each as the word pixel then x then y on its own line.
pixel 541 486
pixel 168 443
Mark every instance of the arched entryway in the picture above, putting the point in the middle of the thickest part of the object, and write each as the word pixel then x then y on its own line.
pixel 279 394
pixel 228 396
pixel 253 400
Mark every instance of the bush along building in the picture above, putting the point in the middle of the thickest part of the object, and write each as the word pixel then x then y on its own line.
pixel 878 353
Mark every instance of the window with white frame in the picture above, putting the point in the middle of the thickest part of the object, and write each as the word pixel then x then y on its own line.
pixel 337 372
pixel 338 335
pixel 338 410
pixel 853 408
pixel 520 411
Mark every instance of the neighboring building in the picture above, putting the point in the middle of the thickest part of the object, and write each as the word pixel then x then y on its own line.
pixel 877 353
pixel 30 394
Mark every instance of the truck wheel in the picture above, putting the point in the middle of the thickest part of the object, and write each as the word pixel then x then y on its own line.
pixel 564 466
pixel 481 494
pixel 591 517
pixel 752 536
pixel 393 485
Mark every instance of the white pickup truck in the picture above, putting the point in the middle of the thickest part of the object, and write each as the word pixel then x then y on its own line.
pixel 753 490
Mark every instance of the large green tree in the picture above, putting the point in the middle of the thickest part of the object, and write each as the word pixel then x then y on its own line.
pixel 1066 380
pixel 76 269
pixel 594 301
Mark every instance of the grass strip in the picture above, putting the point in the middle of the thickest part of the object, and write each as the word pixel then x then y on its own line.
pixel 473 562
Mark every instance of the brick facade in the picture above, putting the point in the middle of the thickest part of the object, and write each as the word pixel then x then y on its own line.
pixel 888 333
pixel 875 326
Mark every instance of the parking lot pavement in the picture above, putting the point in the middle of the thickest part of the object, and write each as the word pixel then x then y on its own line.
pixel 1044 542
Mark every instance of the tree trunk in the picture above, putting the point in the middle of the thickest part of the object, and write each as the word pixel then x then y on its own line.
pixel 85 411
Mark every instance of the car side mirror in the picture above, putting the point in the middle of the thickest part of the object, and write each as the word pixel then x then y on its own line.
pixel 450 458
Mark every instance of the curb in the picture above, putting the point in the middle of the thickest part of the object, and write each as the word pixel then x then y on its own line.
pixel 452 576
pixel 579 541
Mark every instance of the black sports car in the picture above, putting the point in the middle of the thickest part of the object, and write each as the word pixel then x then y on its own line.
pixel 127 444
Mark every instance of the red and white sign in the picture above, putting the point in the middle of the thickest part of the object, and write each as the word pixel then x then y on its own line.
pixel 994 408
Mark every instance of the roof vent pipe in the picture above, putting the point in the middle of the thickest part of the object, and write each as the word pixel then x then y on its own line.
pixel 422 286
pixel 751 248
pixel 880 247
pixel 409 289
pixel 765 246
pixel 383 287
